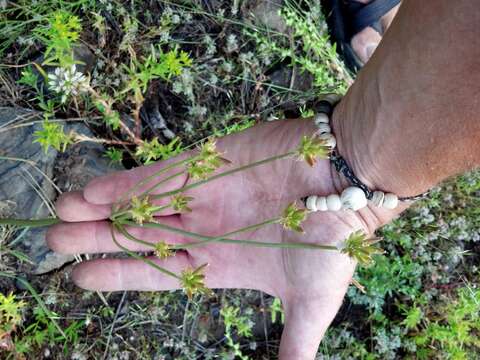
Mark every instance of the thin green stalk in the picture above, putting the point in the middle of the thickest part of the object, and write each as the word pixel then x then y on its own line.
pixel 206 239
pixel 221 238
pixel 225 173
pixel 199 243
pixel 138 257
pixel 129 236
pixel 152 177
pixel 157 185
pixel 286 245
pixel 30 223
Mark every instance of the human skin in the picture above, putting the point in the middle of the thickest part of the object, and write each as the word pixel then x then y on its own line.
pixel 366 41
pixel 409 121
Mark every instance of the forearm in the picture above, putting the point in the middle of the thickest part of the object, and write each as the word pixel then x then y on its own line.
pixel 412 117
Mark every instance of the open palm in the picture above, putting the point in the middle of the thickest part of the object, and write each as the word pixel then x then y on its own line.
pixel 310 283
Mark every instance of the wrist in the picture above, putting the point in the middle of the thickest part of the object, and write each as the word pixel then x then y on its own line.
pixel 376 144
pixel 367 156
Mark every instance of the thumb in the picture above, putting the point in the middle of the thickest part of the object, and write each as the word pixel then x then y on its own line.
pixel 306 321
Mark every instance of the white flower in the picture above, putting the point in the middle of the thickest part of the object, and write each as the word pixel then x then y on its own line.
pixel 232 43
pixel 67 82
pixel 175 19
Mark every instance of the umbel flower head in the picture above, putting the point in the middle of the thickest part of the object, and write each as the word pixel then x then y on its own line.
pixel 142 210
pixel 163 250
pixel 180 203
pixel 312 148
pixel 209 160
pixel 360 248
pixel 293 217
pixel 67 82
pixel 193 281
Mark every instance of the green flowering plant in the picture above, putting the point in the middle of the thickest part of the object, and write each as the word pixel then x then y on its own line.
pixel 142 210
pixel 193 281
pixel 163 250
pixel 359 247
pixel 180 203
pixel 293 217
pixel 137 208
pixel 208 161
pixel 52 134
pixel 312 148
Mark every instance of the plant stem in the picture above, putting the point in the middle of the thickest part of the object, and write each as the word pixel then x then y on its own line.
pixel 157 185
pixel 225 173
pixel 138 257
pixel 135 139
pixel 150 178
pixel 30 223
pixel 129 236
pixel 286 245
pixel 81 138
pixel 221 238
pixel 206 239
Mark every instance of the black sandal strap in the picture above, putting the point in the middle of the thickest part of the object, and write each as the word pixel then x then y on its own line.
pixel 369 14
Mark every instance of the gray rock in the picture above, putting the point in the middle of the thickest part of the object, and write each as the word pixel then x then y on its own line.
pixel 28 191
pixel 266 13
pixel 81 162
pixel 287 78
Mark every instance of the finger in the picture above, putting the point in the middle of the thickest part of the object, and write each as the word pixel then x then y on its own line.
pixel 129 274
pixel 305 324
pixel 96 237
pixel 73 207
pixel 110 188
pixel 134 274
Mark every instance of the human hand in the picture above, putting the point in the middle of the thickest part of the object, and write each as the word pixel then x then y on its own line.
pixel 310 283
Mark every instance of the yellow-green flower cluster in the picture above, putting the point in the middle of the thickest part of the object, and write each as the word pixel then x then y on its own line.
pixel 142 210
pixel 360 248
pixel 163 250
pixel 293 217
pixel 312 148
pixel 180 202
pixel 208 160
pixel 193 281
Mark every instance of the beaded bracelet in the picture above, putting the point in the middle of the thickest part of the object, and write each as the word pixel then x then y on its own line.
pixel 353 197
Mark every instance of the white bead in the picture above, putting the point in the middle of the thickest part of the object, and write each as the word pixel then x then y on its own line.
pixel 333 202
pixel 322 203
pixel 321 118
pixel 329 140
pixel 312 203
pixel 324 128
pixel 378 197
pixel 353 198
pixel 390 201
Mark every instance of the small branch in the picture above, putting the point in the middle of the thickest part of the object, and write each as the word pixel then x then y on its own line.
pixel 225 173
pixel 82 138
pixel 138 257
pixel 222 237
pixel 138 122
pixel 119 307
pixel 30 223
pixel 150 178
pixel 106 105
pixel 206 239
pixel 157 185
pixel 129 236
